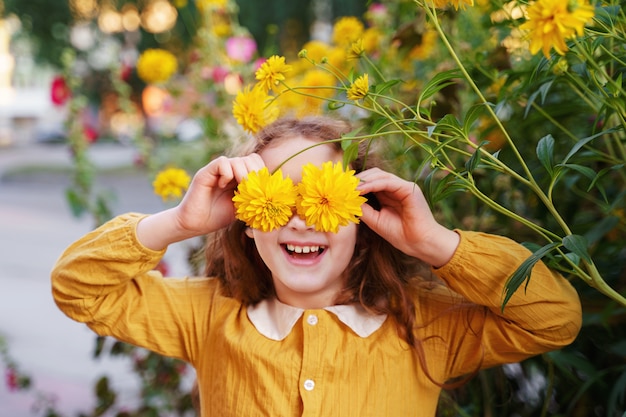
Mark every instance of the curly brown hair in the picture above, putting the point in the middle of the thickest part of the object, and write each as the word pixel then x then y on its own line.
pixel 379 275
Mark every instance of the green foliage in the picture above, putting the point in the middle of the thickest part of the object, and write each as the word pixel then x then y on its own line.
pixel 47 23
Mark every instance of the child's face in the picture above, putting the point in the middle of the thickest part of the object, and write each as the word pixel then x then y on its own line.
pixel 313 278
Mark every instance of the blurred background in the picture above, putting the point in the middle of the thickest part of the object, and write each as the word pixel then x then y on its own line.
pixel 98 97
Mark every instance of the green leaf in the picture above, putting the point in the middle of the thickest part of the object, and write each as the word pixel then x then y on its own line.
pixel 438 82
pixel 470 117
pixel 583 142
pixel 602 173
pixel 436 189
pixel 351 152
pixel 76 202
pixel 381 88
pixel 586 171
pixel 542 91
pixel 545 153
pixel 449 122
pixel 474 160
pixel 578 245
pixel 524 270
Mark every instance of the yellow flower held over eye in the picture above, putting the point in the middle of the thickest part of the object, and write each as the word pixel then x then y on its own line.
pixel 156 66
pixel 359 88
pixel 328 197
pixel 170 183
pixel 265 201
pixel 253 109
pixel 272 72
pixel 551 22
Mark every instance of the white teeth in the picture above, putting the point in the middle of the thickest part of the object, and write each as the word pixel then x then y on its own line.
pixel 302 249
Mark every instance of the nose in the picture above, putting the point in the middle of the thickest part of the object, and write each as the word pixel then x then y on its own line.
pixel 298 223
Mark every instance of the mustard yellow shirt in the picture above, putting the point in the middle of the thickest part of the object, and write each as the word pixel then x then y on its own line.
pixel 275 360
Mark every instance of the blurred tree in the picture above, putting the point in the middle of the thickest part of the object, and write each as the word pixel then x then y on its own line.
pixel 47 23
pixel 291 20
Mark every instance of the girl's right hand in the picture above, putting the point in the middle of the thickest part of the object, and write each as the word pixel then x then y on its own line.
pixel 206 207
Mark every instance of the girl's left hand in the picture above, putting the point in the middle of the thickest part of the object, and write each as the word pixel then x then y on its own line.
pixel 405 219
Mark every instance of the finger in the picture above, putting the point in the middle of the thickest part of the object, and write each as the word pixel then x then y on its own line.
pixel 239 168
pixel 223 171
pixel 254 162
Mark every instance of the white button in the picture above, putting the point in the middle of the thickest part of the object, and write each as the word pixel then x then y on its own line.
pixel 309 384
pixel 312 319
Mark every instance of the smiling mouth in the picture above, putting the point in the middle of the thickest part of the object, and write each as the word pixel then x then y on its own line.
pixel 304 251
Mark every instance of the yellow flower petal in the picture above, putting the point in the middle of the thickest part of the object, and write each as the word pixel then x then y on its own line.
pixel 156 66
pixel 265 201
pixel 253 109
pixel 170 183
pixel 359 88
pixel 272 72
pixel 551 22
pixel 328 197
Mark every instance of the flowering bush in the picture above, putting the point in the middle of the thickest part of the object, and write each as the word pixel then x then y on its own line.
pixel 469 145
pixel 513 124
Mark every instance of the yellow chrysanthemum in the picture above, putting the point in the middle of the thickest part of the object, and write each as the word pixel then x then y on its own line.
pixel 356 49
pixel 347 30
pixel 338 58
pixel 156 66
pixel 359 88
pixel 317 86
pixel 551 22
pixel 272 72
pixel 458 4
pixel 265 201
pixel 253 109
pixel 316 50
pixel 170 183
pixel 372 38
pixel 328 197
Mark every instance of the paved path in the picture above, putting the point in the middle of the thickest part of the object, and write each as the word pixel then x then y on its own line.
pixel 35 226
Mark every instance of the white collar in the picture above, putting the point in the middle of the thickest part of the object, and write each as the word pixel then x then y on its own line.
pixel 275 320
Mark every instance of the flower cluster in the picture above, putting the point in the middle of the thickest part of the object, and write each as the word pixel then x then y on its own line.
pixel 326 198
pixel 171 183
pixel 551 22
pixel 156 66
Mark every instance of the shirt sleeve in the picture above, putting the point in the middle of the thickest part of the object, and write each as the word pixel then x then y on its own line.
pixel 106 280
pixel 541 316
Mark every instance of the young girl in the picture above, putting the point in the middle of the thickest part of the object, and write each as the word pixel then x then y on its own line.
pixel 296 321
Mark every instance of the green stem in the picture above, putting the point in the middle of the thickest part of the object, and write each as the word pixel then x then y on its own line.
pixel 600 284
pixel 532 183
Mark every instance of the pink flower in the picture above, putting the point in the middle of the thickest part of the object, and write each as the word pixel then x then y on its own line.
pixel 59 91
pixel 258 63
pixel 219 74
pixel 376 14
pixel 91 133
pixel 240 48
pixel 12 379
